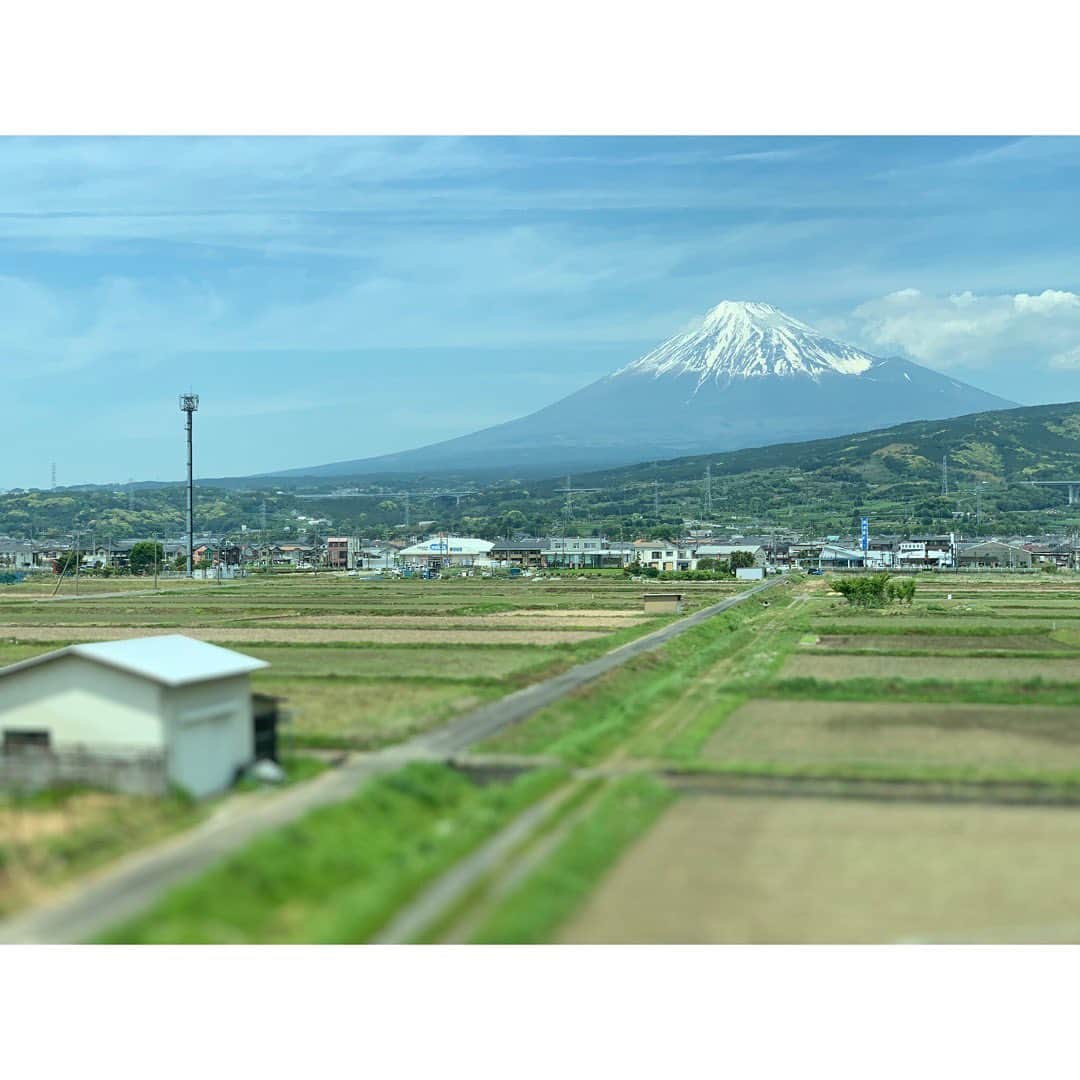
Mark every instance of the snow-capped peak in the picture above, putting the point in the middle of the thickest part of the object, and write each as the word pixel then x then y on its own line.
pixel 738 339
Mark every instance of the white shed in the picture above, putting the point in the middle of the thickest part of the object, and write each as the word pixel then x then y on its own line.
pixel 119 712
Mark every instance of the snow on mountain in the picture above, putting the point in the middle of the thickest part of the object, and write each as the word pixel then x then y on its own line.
pixel 749 375
pixel 738 339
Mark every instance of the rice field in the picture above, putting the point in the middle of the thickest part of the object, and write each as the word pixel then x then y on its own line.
pixel 358 663
pixel 794 770
pixel 718 869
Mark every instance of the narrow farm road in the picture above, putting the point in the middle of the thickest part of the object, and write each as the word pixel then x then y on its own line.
pixel 125 888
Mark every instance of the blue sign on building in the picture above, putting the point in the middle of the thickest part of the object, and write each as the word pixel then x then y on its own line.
pixel 865 534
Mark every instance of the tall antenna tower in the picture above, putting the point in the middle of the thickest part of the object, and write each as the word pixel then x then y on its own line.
pixel 945 475
pixel 189 404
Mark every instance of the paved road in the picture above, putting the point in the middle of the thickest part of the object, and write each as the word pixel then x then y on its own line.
pixel 129 886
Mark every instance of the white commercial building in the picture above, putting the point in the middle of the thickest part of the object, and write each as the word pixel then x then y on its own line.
pixel 439 551
pixel 141 714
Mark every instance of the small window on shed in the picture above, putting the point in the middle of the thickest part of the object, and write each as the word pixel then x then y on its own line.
pixel 14 741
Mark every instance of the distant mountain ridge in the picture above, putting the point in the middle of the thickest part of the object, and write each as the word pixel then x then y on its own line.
pixel 749 375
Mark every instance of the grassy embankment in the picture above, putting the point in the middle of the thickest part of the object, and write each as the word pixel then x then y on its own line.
pixel 340 872
pixel 546 898
pixel 49 837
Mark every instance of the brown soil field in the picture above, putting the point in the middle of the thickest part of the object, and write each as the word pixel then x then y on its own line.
pixel 731 869
pixel 892 643
pixel 836 668
pixel 388 636
pixel 828 732
pixel 541 620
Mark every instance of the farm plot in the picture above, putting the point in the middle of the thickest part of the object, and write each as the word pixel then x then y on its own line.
pixel 304 635
pixel 901 735
pixel 941 644
pixel 359 664
pixel 366 715
pixel 718 869
pixel 827 668
pixel 405 662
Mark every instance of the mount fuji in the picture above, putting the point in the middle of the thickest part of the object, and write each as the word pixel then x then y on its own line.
pixel 748 375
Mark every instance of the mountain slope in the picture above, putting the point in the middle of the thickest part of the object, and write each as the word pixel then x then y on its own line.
pixel 748 376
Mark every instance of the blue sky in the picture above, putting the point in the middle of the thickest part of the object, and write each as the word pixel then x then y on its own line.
pixel 335 298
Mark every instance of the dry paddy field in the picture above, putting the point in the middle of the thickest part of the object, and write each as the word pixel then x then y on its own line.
pixel 834 668
pixel 900 734
pixel 922 764
pixel 794 770
pixel 359 663
pixel 744 869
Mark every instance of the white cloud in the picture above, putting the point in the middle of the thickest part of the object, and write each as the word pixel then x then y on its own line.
pixel 1066 361
pixel 969 330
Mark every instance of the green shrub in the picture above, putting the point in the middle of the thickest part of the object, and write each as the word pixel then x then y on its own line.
pixel 903 590
pixel 866 590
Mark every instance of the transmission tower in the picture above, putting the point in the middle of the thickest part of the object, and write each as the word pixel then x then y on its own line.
pixel 569 489
pixel 656 498
pixel 945 475
pixel 708 490
pixel 54 474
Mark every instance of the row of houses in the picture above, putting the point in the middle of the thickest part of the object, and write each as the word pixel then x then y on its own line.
pixel 351 553
pixel 948 553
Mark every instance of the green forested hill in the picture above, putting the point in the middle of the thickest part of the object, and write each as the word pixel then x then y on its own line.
pixel 894 475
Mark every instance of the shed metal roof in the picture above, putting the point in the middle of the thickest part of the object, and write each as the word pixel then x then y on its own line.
pixel 169 659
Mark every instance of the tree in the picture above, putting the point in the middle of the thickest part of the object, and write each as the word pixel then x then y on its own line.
pixel 66 563
pixel 511 522
pixel 866 590
pixel 741 560
pixel 145 556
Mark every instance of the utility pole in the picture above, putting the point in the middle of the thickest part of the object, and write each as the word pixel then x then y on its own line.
pixel 155 563
pixel 189 404
pixel 265 536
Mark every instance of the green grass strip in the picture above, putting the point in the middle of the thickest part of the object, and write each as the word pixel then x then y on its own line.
pixel 1033 691
pixel 534 911
pixel 584 726
pixel 339 873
